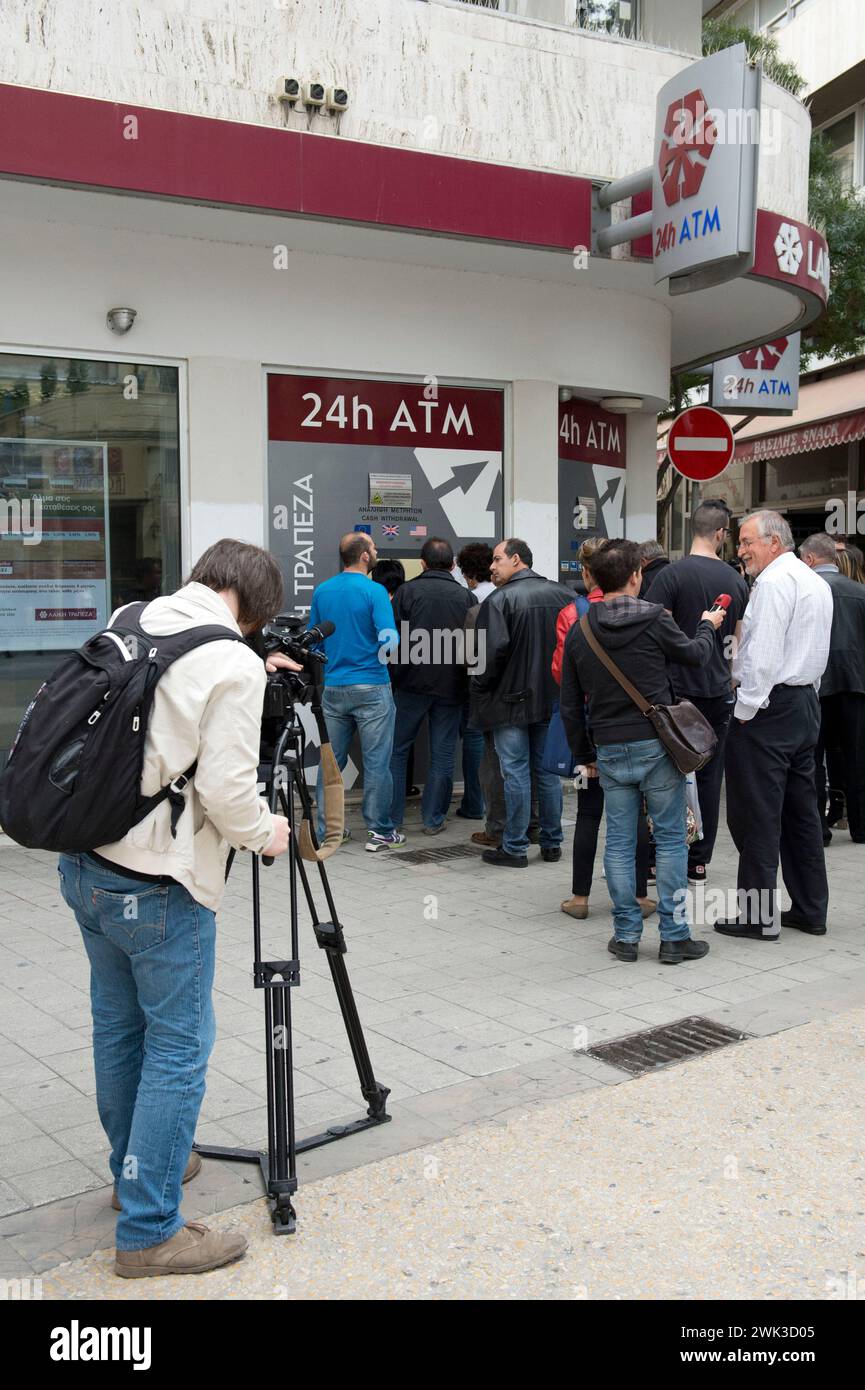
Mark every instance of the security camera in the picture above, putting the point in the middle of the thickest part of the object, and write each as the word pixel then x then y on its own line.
pixel 313 94
pixel 290 90
pixel 337 99
pixel 121 320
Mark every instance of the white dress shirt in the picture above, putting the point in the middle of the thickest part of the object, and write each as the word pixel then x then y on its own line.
pixel 785 633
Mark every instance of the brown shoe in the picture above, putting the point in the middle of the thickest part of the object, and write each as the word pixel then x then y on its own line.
pixel 575 908
pixel 647 906
pixel 191 1250
pixel 481 837
pixel 192 1167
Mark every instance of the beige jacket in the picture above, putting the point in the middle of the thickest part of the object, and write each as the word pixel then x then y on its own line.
pixel 207 706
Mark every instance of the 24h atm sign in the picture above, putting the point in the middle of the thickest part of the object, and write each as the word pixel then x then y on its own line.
pixel 704 183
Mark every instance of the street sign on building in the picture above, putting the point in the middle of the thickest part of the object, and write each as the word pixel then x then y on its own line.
pixel 763 380
pixel 700 443
pixel 704 180
pixel 592 462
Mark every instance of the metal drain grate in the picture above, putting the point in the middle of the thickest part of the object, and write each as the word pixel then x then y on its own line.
pixel 435 856
pixel 659 1047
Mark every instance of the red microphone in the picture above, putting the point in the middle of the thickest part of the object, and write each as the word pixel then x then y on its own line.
pixel 721 604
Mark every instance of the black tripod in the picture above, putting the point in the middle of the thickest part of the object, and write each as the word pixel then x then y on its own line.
pixel 283 777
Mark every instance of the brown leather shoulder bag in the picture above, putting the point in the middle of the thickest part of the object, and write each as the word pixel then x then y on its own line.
pixel 686 734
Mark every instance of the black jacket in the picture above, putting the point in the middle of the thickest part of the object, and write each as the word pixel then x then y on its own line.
pixel 430 612
pixel 846 666
pixel 516 638
pixel 653 568
pixel 639 637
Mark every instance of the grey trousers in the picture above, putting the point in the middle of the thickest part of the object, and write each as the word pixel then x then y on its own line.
pixel 493 788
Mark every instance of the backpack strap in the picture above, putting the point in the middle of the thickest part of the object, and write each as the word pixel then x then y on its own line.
pixel 170 647
pixel 642 705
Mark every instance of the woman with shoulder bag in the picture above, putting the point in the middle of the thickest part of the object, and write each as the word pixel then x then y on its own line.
pixel 629 740
pixel 590 796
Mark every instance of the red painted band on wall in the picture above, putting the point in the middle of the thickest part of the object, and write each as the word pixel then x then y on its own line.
pixel 363 410
pixel 57 138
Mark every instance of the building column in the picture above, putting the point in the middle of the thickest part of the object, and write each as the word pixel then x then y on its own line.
pixel 227 443
pixel 641 488
pixel 534 490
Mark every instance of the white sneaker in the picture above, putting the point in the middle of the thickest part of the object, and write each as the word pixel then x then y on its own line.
pixel 376 842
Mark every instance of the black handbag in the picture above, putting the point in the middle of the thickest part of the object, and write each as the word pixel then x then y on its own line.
pixel 685 733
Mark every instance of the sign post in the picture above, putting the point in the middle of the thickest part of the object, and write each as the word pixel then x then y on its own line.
pixel 700 444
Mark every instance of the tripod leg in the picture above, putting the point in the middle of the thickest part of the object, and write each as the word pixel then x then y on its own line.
pixel 329 936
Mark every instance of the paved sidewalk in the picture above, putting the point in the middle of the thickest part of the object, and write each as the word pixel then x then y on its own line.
pixel 471 985
pixel 736 1176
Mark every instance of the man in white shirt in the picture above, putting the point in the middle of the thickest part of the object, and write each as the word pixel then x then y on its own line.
pixel 771 806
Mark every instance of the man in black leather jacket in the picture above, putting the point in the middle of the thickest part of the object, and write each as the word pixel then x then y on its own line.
pixel 513 694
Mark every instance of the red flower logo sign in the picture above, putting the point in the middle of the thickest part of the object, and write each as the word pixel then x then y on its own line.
pixel 686 145
pixel 764 358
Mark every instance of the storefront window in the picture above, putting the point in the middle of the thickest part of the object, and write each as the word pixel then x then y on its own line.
pixel 89 506
pixel 815 474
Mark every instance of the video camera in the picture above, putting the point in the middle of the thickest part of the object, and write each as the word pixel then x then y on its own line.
pixel 287 634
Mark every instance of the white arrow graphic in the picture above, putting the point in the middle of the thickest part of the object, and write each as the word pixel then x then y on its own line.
pixel 610 483
pixel 465 506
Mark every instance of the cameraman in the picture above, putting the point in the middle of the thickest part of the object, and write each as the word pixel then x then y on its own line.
pixel 146 908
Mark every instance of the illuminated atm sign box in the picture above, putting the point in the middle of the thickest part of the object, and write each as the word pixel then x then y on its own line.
pixel 704 182
pixel 762 379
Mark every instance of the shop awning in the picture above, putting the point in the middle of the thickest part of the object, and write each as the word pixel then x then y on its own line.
pixel 831 411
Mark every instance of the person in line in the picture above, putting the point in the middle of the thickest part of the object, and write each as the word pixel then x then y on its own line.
pixel 474 562
pixel 391 573
pixel 686 589
pixel 590 795
pixel 842 687
pixel 430 612
pixel 357 694
pixel 640 638
pixel 147 905
pixel 769 765
pixel 514 694
pixel 850 564
pixel 653 560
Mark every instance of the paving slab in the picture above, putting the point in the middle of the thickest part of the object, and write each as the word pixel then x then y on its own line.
pixel 499 978
pixel 664 1187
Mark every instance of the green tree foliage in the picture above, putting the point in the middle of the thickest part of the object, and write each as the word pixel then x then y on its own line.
pixel 720 33
pixel 838 210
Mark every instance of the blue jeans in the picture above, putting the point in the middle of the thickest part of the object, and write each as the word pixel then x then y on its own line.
pixel 472 804
pixel 369 709
pixel 152 951
pixel 629 771
pixel 444 728
pixel 521 752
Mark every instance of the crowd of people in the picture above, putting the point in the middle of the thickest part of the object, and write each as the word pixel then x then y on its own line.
pixel 777 671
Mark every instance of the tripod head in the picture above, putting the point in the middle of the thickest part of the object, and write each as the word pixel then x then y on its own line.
pixel 285 689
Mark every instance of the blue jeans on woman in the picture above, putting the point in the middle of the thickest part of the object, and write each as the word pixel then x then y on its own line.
pixel 472 804
pixel 152 950
pixel 629 771
pixel 369 710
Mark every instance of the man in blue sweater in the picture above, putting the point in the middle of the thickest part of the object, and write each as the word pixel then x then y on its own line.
pixel 357 693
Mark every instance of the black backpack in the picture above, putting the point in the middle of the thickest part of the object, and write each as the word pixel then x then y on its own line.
pixel 72 781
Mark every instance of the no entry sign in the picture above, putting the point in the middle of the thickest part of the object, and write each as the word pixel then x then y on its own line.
pixel 700 443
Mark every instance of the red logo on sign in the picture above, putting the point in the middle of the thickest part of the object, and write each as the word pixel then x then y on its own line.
pixel 688 140
pixel 763 359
